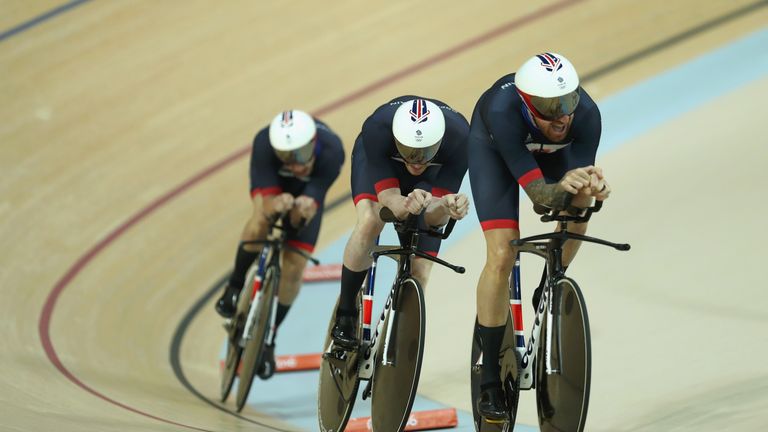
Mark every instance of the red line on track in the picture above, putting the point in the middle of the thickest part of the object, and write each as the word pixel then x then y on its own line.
pixel 50 303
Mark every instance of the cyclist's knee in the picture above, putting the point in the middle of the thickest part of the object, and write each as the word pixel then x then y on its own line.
pixel 421 270
pixel 500 258
pixel 293 261
pixel 578 228
pixel 369 225
pixel 293 266
pixel 256 228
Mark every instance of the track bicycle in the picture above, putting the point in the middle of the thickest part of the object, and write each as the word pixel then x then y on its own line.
pixel 253 326
pixel 390 360
pixel 557 361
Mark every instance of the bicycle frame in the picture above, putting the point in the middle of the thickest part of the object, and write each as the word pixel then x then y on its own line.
pixel 370 343
pixel 266 256
pixel 551 251
pixel 543 311
pixel 269 260
pixel 375 358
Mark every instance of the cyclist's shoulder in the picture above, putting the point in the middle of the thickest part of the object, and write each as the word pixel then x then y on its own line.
pixel 500 104
pixel 261 137
pixel 502 91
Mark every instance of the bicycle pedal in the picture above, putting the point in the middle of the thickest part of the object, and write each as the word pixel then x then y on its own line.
pixel 227 324
pixel 495 422
pixel 338 361
pixel 335 354
pixel 367 391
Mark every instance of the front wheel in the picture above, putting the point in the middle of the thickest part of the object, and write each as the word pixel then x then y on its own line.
pixel 254 346
pixel 562 397
pixel 394 386
pixel 229 372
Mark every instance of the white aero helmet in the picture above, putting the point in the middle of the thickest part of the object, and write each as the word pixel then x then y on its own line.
pixel 292 135
pixel 418 127
pixel 549 85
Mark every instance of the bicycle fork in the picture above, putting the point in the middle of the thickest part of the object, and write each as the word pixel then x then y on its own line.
pixel 544 311
pixel 255 293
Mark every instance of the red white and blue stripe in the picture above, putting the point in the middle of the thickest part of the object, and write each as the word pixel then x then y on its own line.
pixel 419 111
pixel 287 118
pixel 550 62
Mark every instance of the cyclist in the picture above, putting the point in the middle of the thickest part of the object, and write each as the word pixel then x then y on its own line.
pixel 540 130
pixel 410 157
pixel 293 163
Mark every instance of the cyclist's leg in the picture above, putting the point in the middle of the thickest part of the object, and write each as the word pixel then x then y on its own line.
pixel 292 268
pixel 430 245
pixel 255 229
pixel 496 194
pixel 493 302
pixel 291 276
pixel 293 263
pixel 368 227
pixel 357 259
pixel 421 270
pixel 572 246
pixel 569 253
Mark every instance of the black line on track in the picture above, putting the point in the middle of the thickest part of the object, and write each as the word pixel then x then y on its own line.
pixel 178 336
pixel 175 355
pixel 39 19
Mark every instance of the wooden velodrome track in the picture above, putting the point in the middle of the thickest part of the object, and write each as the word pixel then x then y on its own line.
pixel 124 133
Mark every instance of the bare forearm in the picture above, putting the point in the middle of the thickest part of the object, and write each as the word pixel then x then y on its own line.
pixel 391 199
pixel 549 195
pixel 268 204
pixel 436 214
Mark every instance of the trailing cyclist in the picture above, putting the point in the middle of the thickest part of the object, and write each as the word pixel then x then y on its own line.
pixel 540 130
pixel 294 161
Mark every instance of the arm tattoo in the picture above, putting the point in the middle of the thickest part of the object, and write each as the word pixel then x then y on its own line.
pixel 548 194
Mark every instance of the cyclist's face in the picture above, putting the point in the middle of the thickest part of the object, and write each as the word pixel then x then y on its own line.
pixel 415 169
pixel 300 170
pixel 557 129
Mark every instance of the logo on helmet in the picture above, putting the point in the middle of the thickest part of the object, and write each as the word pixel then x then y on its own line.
pixel 550 62
pixel 287 119
pixel 419 112
pixel 418 137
